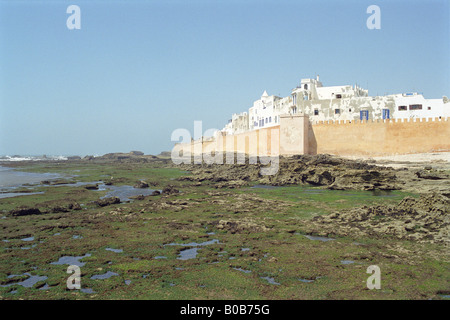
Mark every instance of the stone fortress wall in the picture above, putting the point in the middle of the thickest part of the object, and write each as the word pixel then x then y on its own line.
pixel 339 120
pixel 297 135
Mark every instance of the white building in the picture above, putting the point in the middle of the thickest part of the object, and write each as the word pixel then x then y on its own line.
pixel 335 103
pixel 414 105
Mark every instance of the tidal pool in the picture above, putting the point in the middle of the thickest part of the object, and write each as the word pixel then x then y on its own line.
pixel 270 280
pixel 187 254
pixel 71 260
pixel 27 283
pixel 319 238
pixel 114 250
pixel 242 270
pixel 106 275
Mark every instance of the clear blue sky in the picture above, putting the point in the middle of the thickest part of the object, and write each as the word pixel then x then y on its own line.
pixel 137 70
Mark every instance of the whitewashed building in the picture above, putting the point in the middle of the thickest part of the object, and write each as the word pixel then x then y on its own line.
pixel 346 102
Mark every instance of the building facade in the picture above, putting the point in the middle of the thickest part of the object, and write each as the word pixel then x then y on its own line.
pixel 335 103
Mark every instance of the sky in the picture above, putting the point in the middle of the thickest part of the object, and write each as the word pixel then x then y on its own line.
pixel 138 70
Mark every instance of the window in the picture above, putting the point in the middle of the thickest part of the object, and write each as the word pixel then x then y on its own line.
pixel 349 110
pixel 386 114
pixel 306 87
pixel 338 96
pixel 266 120
pixel 402 108
pixel 316 112
pixel 415 107
pixel 364 115
pixel 337 111
pixel 270 119
pixel 429 108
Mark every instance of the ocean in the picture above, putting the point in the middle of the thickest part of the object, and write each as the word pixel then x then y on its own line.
pixel 31 158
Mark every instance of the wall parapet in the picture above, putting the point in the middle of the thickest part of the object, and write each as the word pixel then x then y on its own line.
pixel 372 121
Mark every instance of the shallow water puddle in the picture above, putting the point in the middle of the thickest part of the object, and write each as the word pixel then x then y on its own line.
pixel 28 248
pixel 191 253
pixel 27 283
pixel 306 280
pixel 17 194
pixel 242 270
pixel 28 239
pixel 71 260
pixel 187 254
pixel 347 261
pixel 106 275
pixel 114 250
pixel 125 192
pixel 319 238
pixel 270 280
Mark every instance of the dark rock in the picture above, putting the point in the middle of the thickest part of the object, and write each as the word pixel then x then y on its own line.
pixel 74 206
pixel 24 211
pixel 431 175
pixel 91 187
pixel 170 190
pixel 57 209
pixel 107 201
pixel 155 193
pixel 141 184
pixel 137 153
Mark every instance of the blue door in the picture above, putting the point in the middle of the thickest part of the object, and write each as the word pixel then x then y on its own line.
pixel 364 115
pixel 385 113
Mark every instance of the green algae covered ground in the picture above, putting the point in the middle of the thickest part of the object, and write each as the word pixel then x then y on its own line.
pixel 245 243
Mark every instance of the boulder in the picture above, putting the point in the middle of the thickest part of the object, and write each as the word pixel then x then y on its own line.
pixel 24 211
pixel 141 184
pixel 107 201
pixel 170 189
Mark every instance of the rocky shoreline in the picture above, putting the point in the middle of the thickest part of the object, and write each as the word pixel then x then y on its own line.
pixel 426 219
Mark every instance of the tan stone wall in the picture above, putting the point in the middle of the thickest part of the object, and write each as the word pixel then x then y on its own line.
pixel 257 142
pixel 296 135
pixel 377 138
pixel 294 130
